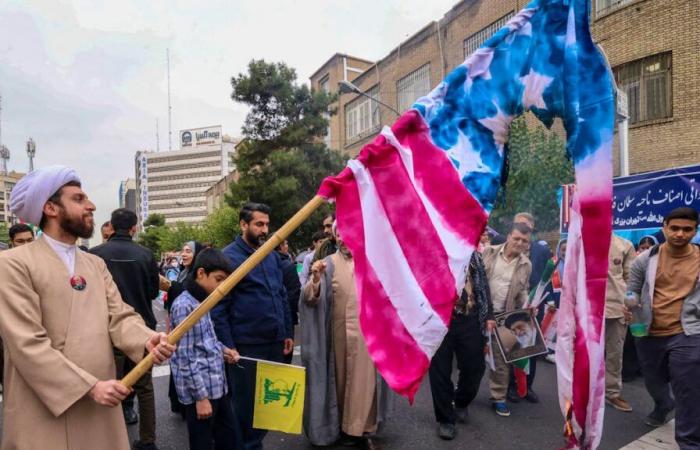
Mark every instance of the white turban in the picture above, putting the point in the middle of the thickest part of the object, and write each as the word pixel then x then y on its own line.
pixel 31 193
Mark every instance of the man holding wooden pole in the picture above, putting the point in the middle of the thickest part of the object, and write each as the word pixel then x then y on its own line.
pixel 60 316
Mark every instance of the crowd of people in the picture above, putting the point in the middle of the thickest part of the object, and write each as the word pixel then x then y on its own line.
pixel 74 322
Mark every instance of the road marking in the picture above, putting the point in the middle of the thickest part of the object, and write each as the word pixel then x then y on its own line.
pixel 661 438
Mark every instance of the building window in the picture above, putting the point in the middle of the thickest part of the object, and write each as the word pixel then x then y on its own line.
pixel 325 86
pixel 606 6
pixel 648 83
pixel 362 116
pixel 413 86
pixel 477 39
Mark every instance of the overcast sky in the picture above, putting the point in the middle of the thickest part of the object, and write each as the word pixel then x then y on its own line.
pixel 87 79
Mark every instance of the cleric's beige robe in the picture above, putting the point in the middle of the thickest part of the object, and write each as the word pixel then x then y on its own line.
pixel 355 374
pixel 58 344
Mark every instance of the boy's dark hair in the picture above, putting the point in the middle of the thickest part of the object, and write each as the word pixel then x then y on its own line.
pixel 19 228
pixel 123 219
pixel 318 236
pixel 520 227
pixel 211 260
pixel 682 213
pixel 106 224
pixel 56 198
pixel 246 213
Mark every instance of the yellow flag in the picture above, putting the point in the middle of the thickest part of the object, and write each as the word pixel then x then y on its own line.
pixel 279 397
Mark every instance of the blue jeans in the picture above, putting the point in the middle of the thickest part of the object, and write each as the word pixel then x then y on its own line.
pixel 674 360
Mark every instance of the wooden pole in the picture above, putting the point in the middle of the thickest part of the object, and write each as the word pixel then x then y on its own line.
pixel 229 283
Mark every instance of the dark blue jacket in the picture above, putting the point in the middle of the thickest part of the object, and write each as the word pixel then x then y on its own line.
pixel 256 310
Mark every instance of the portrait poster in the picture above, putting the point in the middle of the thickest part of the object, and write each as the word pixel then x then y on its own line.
pixel 519 336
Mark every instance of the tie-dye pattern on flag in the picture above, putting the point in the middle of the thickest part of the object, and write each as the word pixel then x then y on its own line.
pixel 412 205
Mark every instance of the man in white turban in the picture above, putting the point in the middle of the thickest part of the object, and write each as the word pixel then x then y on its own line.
pixel 60 317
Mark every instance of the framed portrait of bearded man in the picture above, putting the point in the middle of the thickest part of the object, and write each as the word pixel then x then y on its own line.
pixel 518 335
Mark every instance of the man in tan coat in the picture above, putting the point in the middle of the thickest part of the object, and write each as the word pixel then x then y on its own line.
pixel 508 271
pixel 60 316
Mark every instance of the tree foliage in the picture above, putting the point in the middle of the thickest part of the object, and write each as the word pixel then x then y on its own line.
pixel 218 229
pixel 283 158
pixel 538 165
pixel 4 233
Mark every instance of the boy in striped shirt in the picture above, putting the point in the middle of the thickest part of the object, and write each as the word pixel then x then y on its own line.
pixel 198 364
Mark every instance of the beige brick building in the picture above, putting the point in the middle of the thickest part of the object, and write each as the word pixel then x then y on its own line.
pixel 653 47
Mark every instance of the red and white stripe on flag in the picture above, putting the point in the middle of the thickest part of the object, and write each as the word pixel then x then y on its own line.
pixel 411 226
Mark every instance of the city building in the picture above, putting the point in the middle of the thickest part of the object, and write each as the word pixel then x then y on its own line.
pixel 652 47
pixel 7 183
pixel 216 195
pixel 127 194
pixel 174 183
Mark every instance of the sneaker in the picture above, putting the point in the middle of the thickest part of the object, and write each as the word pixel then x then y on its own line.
pixel 462 414
pixel 447 431
pixel 551 358
pixel 130 416
pixel 531 396
pixel 619 404
pixel 657 417
pixel 501 409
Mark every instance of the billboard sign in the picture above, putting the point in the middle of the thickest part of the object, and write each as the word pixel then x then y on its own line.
pixel 200 136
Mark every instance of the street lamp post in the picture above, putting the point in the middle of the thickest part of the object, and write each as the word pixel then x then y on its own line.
pixel 31 151
pixel 346 87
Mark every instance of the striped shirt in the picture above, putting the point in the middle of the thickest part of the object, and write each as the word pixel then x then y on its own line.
pixel 198 363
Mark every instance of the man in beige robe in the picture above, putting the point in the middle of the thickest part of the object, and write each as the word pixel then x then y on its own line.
pixel 362 399
pixel 60 316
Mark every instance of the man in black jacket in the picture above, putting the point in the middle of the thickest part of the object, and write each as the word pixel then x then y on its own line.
pixel 135 273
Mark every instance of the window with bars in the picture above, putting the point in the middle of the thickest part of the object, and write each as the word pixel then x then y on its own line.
pixel 325 86
pixel 362 116
pixel 477 39
pixel 413 86
pixel 605 6
pixel 648 83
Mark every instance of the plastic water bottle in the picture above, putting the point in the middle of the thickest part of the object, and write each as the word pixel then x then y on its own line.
pixel 638 326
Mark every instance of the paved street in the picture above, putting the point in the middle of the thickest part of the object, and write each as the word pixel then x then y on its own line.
pixel 413 427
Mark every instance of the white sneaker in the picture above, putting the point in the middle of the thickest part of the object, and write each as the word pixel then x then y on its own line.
pixel 551 358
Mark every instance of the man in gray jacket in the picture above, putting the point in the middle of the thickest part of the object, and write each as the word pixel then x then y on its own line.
pixel 665 279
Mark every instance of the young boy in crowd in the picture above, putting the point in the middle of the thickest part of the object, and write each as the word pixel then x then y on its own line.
pixel 198 364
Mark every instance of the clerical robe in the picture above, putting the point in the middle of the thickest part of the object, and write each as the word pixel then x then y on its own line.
pixel 58 344
pixel 345 392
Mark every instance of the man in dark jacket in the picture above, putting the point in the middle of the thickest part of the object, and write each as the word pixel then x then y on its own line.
pixel 135 273
pixel 292 285
pixel 254 318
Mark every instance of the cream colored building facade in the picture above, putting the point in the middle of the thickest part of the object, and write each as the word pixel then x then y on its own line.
pixel 174 183
pixel 7 183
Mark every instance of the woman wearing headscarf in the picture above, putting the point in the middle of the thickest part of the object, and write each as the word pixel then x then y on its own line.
pixel 646 242
pixel 190 250
pixel 548 322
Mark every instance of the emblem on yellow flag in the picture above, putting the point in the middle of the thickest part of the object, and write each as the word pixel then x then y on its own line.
pixel 279 397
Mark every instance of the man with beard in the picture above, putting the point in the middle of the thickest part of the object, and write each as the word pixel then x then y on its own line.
pixel 254 319
pixel 60 315
pixel 346 398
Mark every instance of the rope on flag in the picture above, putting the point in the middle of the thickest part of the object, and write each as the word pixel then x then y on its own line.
pixel 412 205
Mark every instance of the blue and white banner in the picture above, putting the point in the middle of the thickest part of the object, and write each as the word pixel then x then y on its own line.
pixel 641 201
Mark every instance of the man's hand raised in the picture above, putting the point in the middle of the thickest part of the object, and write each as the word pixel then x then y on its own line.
pixel 109 393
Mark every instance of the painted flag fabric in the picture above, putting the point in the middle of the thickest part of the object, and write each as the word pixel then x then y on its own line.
pixel 412 205
pixel 279 397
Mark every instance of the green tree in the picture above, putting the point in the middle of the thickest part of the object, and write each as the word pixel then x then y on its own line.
pixel 538 165
pixel 221 227
pixel 283 159
pixel 4 236
pixel 154 220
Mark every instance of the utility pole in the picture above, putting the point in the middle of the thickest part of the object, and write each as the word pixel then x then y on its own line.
pixel 170 109
pixel 31 151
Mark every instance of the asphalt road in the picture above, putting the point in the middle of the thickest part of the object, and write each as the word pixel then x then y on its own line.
pixel 531 426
